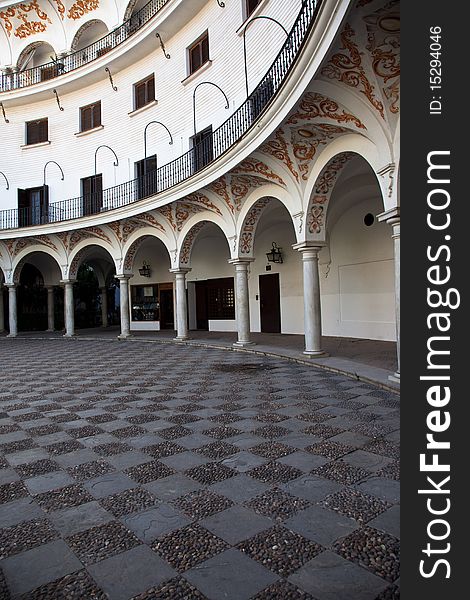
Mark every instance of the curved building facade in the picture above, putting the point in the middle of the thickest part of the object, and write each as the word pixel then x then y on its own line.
pixel 229 166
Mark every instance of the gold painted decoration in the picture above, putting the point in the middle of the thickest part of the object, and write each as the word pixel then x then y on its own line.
pixel 188 243
pixel 219 187
pixel 82 7
pixel 257 167
pixel 21 13
pixel 183 211
pixel 383 35
pixel 60 8
pixel 346 67
pixel 202 200
pixel 306 140
pixel 314 106
pixel 167 212
pixel 278 148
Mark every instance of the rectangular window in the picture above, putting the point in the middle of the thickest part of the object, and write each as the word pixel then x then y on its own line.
pixel 92 194
pixel 146 174
pixel 220 299
pixel 251 6
pixel 145 305
pixel 198 53
pixel 33 205
pixel 144 92
pixel 37 131
pixel 203 145
pixel 90 116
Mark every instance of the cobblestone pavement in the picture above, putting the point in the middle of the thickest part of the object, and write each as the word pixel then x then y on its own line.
pixel 145 471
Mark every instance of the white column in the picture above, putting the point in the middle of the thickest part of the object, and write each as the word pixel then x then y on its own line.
pixel 104 306
pixel 124 306
pixel 312 302
pixel 242 301
pixel 69 308
pixel 50 308
pixel 181 304
pixel 12 314
pixel 392 217
pixel 2 311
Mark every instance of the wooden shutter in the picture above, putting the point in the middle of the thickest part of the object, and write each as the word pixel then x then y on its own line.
pixel 23 206
pixel 96 117
pixel 150 90
pixel 44 195
pixel 139 95
pixel 204 50
pixel 36 132
pixel 85 118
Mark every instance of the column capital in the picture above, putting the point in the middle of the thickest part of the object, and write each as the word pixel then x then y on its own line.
pixel 66 281
pixel 306 246
pixel 123 277
pixel 180 270
pixel 11 286
pixel 391 216
pixel 240 261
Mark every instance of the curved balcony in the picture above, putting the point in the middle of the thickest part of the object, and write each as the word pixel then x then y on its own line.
pixel 75 60
pixel 195 160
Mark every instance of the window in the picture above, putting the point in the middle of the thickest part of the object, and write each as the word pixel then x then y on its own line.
pixel 145 306
pixel 146 173
pixel 92 194
pixel 144 92
pixel 203 146
pixel 251 6
pixel 90 116
pixel 37 131
pixel 33 205
pixel 199 53
pixel 220 299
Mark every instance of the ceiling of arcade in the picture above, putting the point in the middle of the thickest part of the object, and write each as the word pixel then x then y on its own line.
pixel 53 21
pixel 354 96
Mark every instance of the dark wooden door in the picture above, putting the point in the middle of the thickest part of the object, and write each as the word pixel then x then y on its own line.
pixel 167 319
pixel 270 303
pixel 202 315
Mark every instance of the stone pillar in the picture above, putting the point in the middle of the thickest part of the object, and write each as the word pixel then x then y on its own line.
pixel 124 306
pixel 181 304
pixel 392 217
pixel 104 306
pixel 312 302
pixel 12 314
pixel 69 308
pixel 2 310
pixel 242 301
pixel 50 308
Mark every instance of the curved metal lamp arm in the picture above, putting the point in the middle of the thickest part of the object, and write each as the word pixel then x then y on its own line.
pixel 244 43
pixel 6 180
pixel 162 45
pixel 145 135
pixel 55 163
pixel 221 4
pixel 116 164
pixel 227 106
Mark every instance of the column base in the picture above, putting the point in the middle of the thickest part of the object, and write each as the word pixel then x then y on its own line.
pixel 68 335
pixel 182 338
pixel 124 336
pixel 243 344
pixel 50 330
pixel 395 377
pixel 12 335
pixel 316 353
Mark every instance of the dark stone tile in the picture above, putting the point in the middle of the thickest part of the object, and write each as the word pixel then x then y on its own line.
pixel 172 487
pixel 48 482
pixel 130 573
pixel 383 488
pixel 112 483
pixel 230 575
pixel 236 524
pixel 33 568
pixel 388 521
pixel 79 518
pixel 22 509
pixel 321 525
pixel 154 522
pixel 76 586
pixel 240 488
pixel 330 577
pixel 311 487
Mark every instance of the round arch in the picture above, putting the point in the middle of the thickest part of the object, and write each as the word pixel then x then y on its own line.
pixel 30 57
pixel 192 228
pixel 89 32
pixel 84 251
pixel 135 241
pixel 31 254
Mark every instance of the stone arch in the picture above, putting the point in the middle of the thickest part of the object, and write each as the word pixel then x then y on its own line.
pixel 190 232
pixel 84 250
pixel 134 242
pixel 27 255
pixel 79 34
pixel 29 49
pixel 253 209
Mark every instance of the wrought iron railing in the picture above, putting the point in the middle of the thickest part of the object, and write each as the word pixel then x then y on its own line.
pixel 75 60
pixel 197 158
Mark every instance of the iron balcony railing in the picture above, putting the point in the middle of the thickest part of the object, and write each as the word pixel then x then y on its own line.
pixel 75 60
pixel 183 167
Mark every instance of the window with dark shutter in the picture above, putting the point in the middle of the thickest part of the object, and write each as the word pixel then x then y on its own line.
pixel 251 6
pixel 144 92
pixel 90 116
pixel 199 53
pixel 203 146
pixel 92 194
pixel 37 131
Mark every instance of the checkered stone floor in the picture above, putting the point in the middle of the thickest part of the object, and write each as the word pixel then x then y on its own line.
pixel 142 471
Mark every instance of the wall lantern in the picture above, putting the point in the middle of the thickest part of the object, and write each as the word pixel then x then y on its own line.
pixel 275 254
pixel 145 270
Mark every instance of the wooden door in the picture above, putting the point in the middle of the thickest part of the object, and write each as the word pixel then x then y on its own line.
pixel 167 319
pixel 270 303
pixel 202 318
